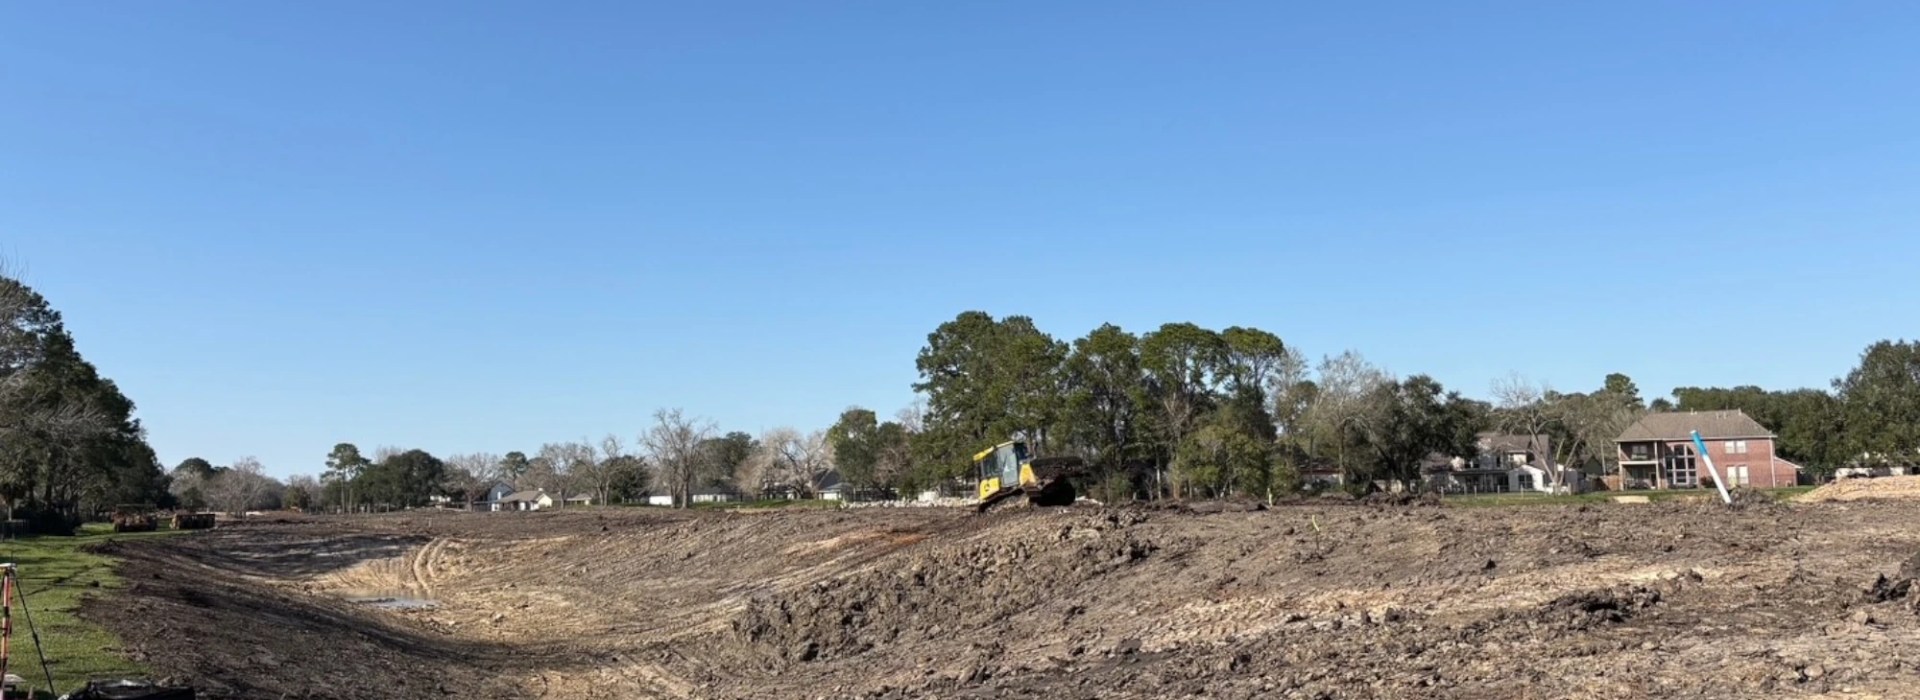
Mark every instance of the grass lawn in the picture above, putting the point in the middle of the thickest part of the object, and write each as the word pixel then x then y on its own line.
pixel 1541 499
pixel 54 575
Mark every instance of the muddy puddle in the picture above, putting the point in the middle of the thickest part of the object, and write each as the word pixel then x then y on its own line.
pixel 390 599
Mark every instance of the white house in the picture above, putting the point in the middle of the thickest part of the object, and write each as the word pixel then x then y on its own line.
pixel 1869 472
pixel 536 499
pixel 832 487
pixel 1505 463
pixel 495 499
pixel 715 493
pixel 583 499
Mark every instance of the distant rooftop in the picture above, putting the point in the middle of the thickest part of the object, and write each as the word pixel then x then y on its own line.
pixel 1679 425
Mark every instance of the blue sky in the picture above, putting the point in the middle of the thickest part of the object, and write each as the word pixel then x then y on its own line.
pixel 474 226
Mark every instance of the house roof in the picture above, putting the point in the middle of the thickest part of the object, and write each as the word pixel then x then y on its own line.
pixel 580 497
pixel 1515 443
pixel 1680 425
pixel 524 496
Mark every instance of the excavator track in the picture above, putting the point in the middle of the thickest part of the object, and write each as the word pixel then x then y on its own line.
pixel 1055 493
pixel 999 497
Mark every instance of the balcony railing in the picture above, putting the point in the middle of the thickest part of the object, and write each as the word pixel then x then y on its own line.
pixel 1645 455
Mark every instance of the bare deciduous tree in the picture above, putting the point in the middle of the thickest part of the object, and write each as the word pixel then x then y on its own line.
pixel 913 417
pixel 559 466
pixel 598 473
pixel 1345 382
pixel 471 475
pixel 581 470
pixel 752 475
pixel 244 486
pixel 1528 411
pixel 673 445
pixel 1287 402
pixel 302 492
pixel 193 491
pixel 1580 427
pixel 793 461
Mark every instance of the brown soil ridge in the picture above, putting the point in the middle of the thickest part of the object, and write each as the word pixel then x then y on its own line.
pixel 1312 601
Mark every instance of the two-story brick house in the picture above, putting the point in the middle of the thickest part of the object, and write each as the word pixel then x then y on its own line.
pixel 1657 452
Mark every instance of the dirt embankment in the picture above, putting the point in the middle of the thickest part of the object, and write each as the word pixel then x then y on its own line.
pixel 1668 600
pixel 1856 489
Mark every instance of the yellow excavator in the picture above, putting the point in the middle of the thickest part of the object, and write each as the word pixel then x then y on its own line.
pixel 1007 470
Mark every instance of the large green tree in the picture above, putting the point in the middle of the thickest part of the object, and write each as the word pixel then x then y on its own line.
pixel 1182 362
pixel 406 480
pixel 868 453
pixel 69 442
pixel 345 466
pixel 1811 425
pixel 1882 404
pixel 514 466
pixel 986 381
pixel 1107 407
pixel 1251 362
pixel 722 457
pixel 1222 459
pixel 1621 387
pixel 1401 423
pixel 856 449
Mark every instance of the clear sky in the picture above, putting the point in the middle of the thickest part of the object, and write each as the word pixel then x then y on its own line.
pixel 469 226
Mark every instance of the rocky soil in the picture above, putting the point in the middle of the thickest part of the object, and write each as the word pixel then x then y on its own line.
pixel 1313 601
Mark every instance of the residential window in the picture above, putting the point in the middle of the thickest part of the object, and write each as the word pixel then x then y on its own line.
pixel 1682 471
pixel 1736 447
pixel 1640 452
pixel 1737 475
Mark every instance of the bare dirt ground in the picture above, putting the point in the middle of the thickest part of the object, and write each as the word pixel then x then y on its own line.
pixel 1321 601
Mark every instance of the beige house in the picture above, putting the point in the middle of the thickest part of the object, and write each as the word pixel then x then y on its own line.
pixel 536 499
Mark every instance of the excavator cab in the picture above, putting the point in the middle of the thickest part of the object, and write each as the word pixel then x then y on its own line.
pixel 1000 466
pixel 1008 469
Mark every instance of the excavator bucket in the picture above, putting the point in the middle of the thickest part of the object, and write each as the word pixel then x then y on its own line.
pixel 1057 492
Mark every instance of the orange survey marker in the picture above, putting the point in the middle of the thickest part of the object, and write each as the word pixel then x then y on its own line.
pixel 10 592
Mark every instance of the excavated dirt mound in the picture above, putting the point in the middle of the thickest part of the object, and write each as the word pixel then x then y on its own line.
pixel 1309 601
pixel 1886 487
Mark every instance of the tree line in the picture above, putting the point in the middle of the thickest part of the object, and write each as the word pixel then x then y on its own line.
pixel 675 456
pixel 1870 417
pixel 69 444
pixel 1182 410
pixel 1177 411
